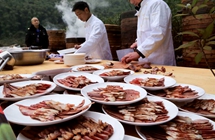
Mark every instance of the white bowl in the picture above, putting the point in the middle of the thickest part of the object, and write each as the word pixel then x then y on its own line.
pixel 74 62
pixel 74 59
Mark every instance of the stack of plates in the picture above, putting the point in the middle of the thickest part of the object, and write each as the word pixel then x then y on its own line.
pixel 74 59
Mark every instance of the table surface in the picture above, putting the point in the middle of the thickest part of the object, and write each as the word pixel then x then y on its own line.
pixel 194 76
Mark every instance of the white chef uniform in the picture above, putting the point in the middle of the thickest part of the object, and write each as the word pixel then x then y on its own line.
pixel 154 38
pixel 96 44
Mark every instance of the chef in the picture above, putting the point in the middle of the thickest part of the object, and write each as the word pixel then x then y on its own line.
pixel 154 39
pixel 96 44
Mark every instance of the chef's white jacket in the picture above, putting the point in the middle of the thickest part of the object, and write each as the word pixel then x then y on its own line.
pixel 154 38
pixel 96 44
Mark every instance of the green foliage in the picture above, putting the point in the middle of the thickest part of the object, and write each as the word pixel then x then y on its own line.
pixel 204 39
pixel 16 15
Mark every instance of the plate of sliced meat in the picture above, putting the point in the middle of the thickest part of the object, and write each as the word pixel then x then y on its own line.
pixel 89 126
pixel 179 93
pixel 204 106
pixel 150 81
pixel 76 80
pixel 149 111
pixel 186 126
pixel 9 78
pixel 25 89
pixel 113 74
pixel 47 110
pixel 114 93
pixel 87 68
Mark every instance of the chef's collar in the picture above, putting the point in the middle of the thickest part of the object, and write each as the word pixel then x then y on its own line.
pixel 88 21
pixel 139 6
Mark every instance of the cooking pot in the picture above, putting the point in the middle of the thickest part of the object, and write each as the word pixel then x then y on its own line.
pixel 29 57
pixel 7 61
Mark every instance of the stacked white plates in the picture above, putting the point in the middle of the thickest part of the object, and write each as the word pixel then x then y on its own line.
pixel 74 59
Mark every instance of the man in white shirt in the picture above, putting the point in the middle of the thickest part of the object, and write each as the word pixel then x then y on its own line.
pixel 96 44
pixel 154 39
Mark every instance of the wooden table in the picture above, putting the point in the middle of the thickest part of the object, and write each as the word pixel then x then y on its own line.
pixel 195 76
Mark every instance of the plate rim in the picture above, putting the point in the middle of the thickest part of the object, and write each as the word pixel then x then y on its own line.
pixel 180 113
pixel 39 123
pixel 130 137
pixel 204 115
pixel 112 78
pixel 149 124
pixel 182 99
pixel 153 75
pixel 117 102
pixel 53 86
pixel 93 61
pixel 74 68
pixel 101 80
pixel 17 80
pixel 100 115
pixel 50 70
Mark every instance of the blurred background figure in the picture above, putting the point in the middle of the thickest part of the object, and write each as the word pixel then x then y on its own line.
pixel 96 44
pixel 36 36
pixel 154 42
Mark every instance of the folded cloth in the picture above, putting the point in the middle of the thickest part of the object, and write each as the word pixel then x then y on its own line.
pixel 6 132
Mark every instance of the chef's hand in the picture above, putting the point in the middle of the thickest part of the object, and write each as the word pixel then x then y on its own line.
pixel 77 46
pixel 133 56
pixel 134 45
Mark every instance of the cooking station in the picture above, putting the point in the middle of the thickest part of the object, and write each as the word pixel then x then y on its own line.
pixel 195 76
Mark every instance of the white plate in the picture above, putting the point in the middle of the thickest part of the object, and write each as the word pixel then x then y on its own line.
pixel 197 89
pixel 127 137
pixel 14 115
pixel 24 83
pixel 192 116
pixel 169 106
pixel 47 74
pixel 113 78
pixel 89 88
pixel 168 82
pixel 58 62
pixel 75 68
pixel 117 126
pixel 205 96
pixel 66 51
pixel 26 77
pixel 93 61
pixel 92 77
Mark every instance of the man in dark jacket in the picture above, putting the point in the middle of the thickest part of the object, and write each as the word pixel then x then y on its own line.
pixel 36 37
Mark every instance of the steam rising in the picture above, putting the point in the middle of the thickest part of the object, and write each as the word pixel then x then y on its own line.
pixel 75 27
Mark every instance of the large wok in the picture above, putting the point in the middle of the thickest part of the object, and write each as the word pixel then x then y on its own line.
pixel 29 57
